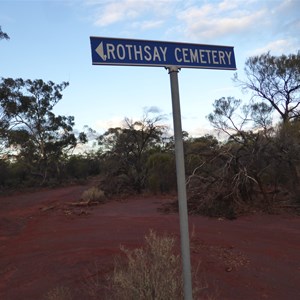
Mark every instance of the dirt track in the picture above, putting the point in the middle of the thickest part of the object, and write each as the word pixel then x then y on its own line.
pixel 45 243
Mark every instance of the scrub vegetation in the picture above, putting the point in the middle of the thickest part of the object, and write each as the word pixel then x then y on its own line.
pixel 59 293
pixel 255 167
pixel 93 194
pixel 152 271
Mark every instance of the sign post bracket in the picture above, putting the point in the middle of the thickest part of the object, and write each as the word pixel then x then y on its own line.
pixel 181 185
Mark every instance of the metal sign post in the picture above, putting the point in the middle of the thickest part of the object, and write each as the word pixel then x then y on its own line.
pixel 173 56
pixel 182 198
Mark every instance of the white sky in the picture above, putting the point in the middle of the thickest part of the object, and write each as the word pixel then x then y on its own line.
pixel 50 40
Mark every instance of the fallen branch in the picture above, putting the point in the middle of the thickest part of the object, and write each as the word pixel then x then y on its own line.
pixel 46 208
pixel 83 203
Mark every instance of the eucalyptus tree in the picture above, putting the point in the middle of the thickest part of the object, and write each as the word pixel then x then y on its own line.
pixel 275 80
pixel 30 128
pixel 3 35
pixel 248 155
pixel 127 148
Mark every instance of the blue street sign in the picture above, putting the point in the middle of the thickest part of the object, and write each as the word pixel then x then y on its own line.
pixel 127 52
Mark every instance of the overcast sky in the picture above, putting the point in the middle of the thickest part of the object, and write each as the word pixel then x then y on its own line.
pixel 50 40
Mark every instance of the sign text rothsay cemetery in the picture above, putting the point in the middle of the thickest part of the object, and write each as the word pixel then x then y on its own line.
pixel 112 51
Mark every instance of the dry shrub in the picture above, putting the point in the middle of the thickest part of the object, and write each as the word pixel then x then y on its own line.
pixel 218 197
pixel 93 194
pixel 152 272
pixel 59 293
pixel 95 285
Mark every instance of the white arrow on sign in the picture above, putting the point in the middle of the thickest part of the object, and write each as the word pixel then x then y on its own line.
pixel 100 51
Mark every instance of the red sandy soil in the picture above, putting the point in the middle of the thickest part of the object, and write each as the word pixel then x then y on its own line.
pixel 46 243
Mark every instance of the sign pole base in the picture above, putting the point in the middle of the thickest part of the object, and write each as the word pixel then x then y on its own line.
pixel 181 186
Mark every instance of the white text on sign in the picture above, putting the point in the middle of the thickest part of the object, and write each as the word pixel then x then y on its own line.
pixel 159 54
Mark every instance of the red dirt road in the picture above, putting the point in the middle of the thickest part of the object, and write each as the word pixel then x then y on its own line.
pixel 45 243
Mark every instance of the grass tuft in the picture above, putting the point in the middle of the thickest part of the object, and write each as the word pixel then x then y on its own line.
pixel 93 194
pixel 59 293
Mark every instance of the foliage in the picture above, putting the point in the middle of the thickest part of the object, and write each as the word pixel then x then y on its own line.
pixel 3 172
pixel 245 172
pixel 275 80
pixel 31 130
pixel 286 154
pixel 234 119
pixel 15 174
pixel 257 164
pixel 161 172
pixel 3 35
pixel 197 150
pixel 230 187
pixel 77 166
pixel 248 147
pixel 81 166
pixel 127 149
pixel 152 272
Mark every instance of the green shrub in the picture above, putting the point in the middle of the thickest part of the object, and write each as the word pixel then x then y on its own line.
pixel 161 173
pixel 119 184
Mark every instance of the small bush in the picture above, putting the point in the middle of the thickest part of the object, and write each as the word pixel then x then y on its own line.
pixel 93 194
pixel 59 293
pixel 161 173
pixel 153 272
